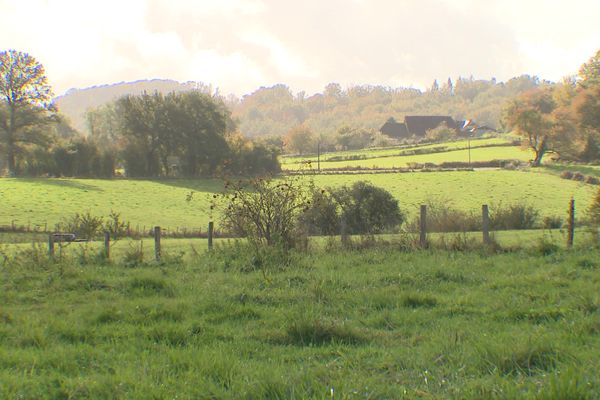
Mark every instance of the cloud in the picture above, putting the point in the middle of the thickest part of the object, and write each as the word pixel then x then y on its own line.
pixel 239 45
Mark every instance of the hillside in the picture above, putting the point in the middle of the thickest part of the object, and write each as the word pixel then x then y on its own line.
pixel 76 102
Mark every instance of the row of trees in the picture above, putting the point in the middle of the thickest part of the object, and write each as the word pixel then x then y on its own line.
pixel 563 118
pixel 150 135
pixel 276 110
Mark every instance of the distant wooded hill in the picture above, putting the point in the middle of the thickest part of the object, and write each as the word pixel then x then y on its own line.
pixel 276 110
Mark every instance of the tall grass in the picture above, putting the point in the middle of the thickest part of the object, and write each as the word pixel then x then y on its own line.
pixel 375 322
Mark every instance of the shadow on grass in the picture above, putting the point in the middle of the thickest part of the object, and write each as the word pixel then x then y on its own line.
pixel 61 182
pixel 206 185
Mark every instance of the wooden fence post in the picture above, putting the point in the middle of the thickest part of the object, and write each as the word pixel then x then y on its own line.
pixel 485 223
pixel 423 227
pixel 211 227
pixel 107 245
pixel 571 222
pixel 51 245
pixel 157 243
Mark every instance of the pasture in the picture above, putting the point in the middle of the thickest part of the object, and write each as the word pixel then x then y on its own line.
pixel 397 150
pixel 145 203
pixel 477 154
pixel 369 324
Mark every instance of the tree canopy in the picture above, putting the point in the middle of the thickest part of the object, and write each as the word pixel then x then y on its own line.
pixel 589 73
pixel 25 107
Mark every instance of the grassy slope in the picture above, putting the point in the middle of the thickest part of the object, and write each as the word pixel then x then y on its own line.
pixel 375 324
pixel 148 203
pixel 391 151
pixel 477 154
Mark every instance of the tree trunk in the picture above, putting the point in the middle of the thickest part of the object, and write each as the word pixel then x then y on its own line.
pixel 539 153
pixel 10 158
pixel 10 144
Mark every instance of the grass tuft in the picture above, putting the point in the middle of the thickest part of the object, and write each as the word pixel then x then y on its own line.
pixel 317 332
pixel 520 359
pixel 149 286
pixel 416 300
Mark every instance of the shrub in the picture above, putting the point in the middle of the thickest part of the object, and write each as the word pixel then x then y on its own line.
pixel 322 218
pixel 594 210
pixel 443 217
pixel 367 209
pixel 265 211
pixel 566 175
pixel 578 176
pixel 513 216
pixel 552 222
pixel 592 180
pixel 83 225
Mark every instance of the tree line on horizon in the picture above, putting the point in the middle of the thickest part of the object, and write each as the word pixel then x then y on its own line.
pixel 187 134
pixel 197 133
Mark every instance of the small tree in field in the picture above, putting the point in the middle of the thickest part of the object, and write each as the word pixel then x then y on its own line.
pixel 530 115
pixel 265 211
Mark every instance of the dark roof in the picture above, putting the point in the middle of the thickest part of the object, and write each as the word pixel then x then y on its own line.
pixel 394 129
pixel 418 125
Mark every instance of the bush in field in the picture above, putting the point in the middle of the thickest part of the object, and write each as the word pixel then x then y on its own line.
pixel 513 216
pixel 362 207
pixel 552 222
pixel 367 209
pixel 264 210
pixel 88 226
pixel 322 217
pixel 442 216
pixel 566 175
pixel 84 225
pixel 578 176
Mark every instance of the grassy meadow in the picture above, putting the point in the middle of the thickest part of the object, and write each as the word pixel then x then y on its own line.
pixel 331 324
pixel 477 154
pixel 145 203
pixel 396 150
pixel 376 320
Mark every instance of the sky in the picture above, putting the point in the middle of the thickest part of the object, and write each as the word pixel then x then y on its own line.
pixel 238 46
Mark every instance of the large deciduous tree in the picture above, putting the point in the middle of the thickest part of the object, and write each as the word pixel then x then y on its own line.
pixel 531 116
pixel 189 125
pixel 24 105
pixel 300 140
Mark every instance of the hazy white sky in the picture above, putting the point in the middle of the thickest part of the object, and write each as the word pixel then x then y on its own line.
pixel 240 45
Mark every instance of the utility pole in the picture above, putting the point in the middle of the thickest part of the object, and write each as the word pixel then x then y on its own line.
pixel 319 156
pixel 469 144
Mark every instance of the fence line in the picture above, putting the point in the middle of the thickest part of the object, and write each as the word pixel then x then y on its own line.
pixel 211 233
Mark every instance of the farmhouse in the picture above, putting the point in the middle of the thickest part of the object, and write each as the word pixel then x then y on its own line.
pixel 416 125
pixel 395 129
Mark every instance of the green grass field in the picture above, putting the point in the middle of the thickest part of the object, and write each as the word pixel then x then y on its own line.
pixel 331 324
pixel 477 154
pixel 396 150
pixel 147 203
